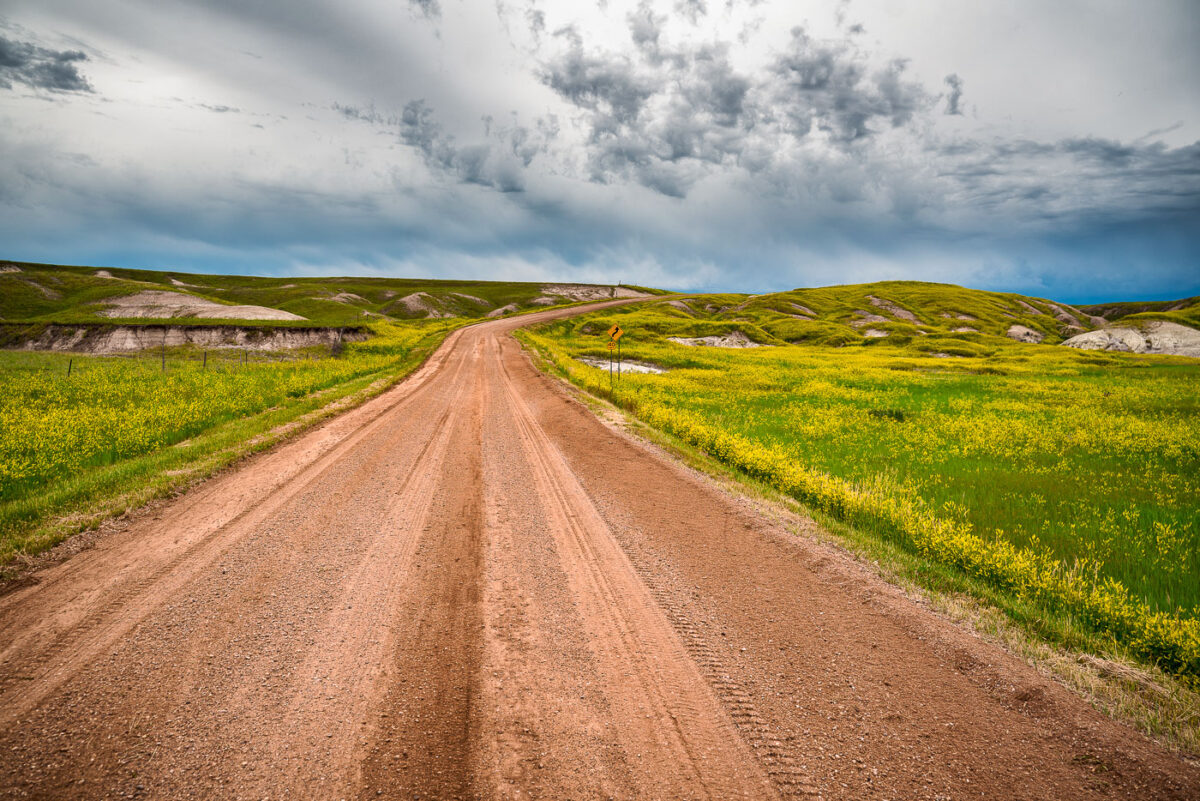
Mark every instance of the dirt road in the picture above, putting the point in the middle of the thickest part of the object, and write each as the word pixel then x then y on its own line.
pixel 471 588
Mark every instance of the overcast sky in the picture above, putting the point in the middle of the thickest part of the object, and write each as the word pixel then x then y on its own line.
pixel 1044 147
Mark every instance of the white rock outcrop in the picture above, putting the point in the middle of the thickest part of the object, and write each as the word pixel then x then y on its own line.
pixel 163 305
pixel 1152 336
pixel 892 309
pixel 734 339
pixel 681 306
pixel 866 318
pixel 1024 334
pixel 577 292
pixel 423 303
pixel 503 310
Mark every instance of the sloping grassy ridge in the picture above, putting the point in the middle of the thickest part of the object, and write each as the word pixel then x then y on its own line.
pixel 907 311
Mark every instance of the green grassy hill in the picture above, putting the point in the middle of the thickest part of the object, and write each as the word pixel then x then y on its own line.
pixel 1185 311
pixel 43 293
pixel 930 317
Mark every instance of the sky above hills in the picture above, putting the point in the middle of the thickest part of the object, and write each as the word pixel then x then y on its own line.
pixel 1047 148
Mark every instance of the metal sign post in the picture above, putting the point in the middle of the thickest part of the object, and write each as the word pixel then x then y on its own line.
pixel 615 333
pixel 610 364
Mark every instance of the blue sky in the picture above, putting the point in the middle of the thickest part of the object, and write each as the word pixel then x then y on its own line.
pixel 1047 148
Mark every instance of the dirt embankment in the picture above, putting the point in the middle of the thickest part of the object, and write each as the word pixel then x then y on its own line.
pixel 114 339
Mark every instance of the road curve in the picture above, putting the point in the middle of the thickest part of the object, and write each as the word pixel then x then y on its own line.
pixel 469 587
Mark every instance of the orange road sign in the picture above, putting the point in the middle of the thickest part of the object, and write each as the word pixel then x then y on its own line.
pixel 612 344
pixel 616 333
pixel 612 331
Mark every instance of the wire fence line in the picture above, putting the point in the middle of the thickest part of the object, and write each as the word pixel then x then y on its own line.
pixel 182 358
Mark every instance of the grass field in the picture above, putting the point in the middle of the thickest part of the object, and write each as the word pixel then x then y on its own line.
pixel 119 425
pixel 1068 481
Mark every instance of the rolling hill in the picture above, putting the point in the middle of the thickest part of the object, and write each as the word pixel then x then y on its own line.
pixel 935 318
pixel 43 293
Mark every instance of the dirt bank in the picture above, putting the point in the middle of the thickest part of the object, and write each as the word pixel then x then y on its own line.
pixel 112 339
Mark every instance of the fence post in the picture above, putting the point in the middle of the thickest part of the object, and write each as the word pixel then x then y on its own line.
pixel 205 360
pixel 69 363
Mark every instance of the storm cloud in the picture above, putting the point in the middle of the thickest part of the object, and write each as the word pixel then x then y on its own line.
pixel 41 67
pixel 954 99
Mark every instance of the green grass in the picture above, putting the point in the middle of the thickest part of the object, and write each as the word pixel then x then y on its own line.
pixel 1091 460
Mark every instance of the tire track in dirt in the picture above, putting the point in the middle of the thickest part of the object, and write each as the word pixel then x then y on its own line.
pixel 335 689
pixel 678 740
pixel 775 755
pixel 422 730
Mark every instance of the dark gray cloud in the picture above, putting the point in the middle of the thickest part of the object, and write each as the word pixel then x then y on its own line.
pixel 367 113
pixel 1085 182
pixel 41 67
pixel 829 86
pixel 608 85
pixel 498 160
pixel 648 116
pixel 666 117
pixel 954 99
pixel 645 28
pixel 430 8
pixel 419 129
